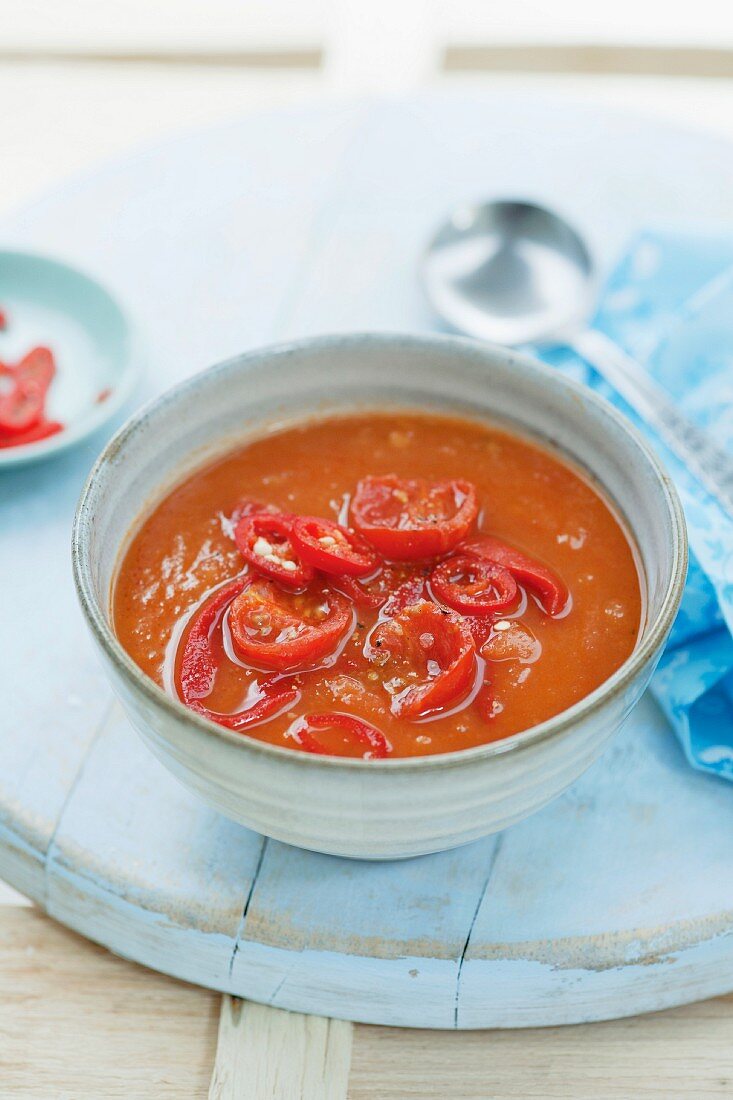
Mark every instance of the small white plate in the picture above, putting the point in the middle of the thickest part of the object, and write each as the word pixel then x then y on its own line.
pixel 49 303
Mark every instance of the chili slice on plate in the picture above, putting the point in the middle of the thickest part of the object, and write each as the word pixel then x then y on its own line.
pixel 356 728
pixel 429 655
pixel 474 585
pixel 551 590
pixel 285 631
pixel 42 430
pixel 22 407
pixel 38 366
pixel 409 519
pixel 264 541
pixel 332 548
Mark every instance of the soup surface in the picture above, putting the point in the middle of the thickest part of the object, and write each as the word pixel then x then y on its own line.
pixel 380 585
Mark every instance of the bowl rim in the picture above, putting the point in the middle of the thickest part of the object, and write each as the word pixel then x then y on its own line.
pixel 644 651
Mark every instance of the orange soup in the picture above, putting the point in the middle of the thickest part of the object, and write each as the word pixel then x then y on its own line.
pixel 380 585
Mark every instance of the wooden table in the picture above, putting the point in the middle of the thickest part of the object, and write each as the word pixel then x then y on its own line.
pixel 77 1023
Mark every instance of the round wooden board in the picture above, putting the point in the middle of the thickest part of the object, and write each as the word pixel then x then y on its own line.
pixel 614 900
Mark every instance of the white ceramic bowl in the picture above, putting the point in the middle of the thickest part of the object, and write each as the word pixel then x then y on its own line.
pixel 389 808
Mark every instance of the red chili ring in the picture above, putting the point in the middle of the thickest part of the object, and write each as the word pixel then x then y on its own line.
pixel 361 730
pixel 287 567
pixel 493 589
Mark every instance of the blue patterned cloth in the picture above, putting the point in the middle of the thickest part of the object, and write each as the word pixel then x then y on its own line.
pixel 669 303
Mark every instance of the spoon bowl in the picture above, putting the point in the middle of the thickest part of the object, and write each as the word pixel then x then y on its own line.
pixel 509 272
pixel 512 272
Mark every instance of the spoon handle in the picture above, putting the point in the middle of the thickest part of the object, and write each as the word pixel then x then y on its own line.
pixel 709 463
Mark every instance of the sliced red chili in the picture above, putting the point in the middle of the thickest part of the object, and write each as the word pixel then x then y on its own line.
pixel 265 707
pixel 366 596
pixel 485 701
pixel 42 430
pixel 22 407
pixel 360 730
pixel 37 366
pixel 404 595
pixel 281 630
pixel 332 548
pixel 474 585
pixel 199 666
pixel 551 590
pixel 390 591
pixel 481 627
pixel 264 540
pixel 407 520
pixel 427 658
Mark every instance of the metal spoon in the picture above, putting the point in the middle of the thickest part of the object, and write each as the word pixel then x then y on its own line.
pixel 517 273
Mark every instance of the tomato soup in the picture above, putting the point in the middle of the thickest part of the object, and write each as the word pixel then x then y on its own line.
pixel 380 585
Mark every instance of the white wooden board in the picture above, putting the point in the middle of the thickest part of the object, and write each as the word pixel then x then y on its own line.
pixel 617 898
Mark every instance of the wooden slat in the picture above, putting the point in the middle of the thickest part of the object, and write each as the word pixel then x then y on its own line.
pixel 573 22
pixel 263 57
pixel 684 1054
pixel 80 1024
pixel 622 60
pixel 267 1054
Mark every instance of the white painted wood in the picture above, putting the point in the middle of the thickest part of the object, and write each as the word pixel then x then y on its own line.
pixel 571 21
pixel 167 26
pixel 294 223
pixel 131 843
pixel 267 1054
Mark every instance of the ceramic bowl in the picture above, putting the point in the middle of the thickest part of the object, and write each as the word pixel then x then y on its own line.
pixel 382 809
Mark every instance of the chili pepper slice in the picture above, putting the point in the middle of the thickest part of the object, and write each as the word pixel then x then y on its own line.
pixel 551 590
pixel 37 366
pixel 266 707
pixel 332 548
pixel 360 730
pixel 264 540
pixel 281 630
pixel 485 701
pixel 390 591
pixel 363 596
pixel 23 406
pixel 406 520
pixel 481 627
pixel 42 430
pixel 199 666
pixel 429 655
pixel 404 595
pixel 474 585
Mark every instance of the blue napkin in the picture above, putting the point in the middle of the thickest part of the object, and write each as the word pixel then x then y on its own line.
pixel 669 303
